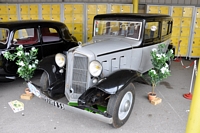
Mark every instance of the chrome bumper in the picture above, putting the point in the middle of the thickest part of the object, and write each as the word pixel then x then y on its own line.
pixel 63 106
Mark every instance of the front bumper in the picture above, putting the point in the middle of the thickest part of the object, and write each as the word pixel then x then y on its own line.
pixel 64 106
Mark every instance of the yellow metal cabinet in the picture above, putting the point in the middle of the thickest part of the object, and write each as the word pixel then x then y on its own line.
pixel 46 17
pixel 70 26
pixel 176 21
pixel 68 19
pixel 33 9
pixel 3 9
pixel 3 17
pixel 12 9
pixel 89 28
pixel 78 28
pixel 186 22
pixel 46 9
pixel 34 16
pixel 196 42
pixel 78 8
pixel 185 31
pixel 89 36
pixel 13 17
pixel 175 41
pixel 68 9
pixel 176 31
pixel 101 9
pixel 197 23
pixel 184 41
pixel 78 18
pixel 187 11
pixel 126 9
pixel 195 51
pixel 153 9
pixel 55 9
pixel 24 9
pixel 115 9
pixel 91 9
pixel 197 32
pixel 177 11
pixel 198 13
pixel 164 10
pixel 55 17
pixel 25 17
pixel 183 51
pixel 90 19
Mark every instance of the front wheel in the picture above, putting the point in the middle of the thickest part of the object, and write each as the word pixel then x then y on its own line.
pixel 120 105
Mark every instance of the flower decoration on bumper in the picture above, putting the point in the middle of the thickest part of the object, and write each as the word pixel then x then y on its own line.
pixel 159 61
pixel 27 61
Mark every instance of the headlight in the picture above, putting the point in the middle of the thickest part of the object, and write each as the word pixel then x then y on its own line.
pixel 95 68
pixel 60 59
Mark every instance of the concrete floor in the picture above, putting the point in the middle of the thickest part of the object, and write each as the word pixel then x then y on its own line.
pixel 170 116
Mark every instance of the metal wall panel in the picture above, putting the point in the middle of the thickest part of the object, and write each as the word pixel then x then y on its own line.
pixel 194 2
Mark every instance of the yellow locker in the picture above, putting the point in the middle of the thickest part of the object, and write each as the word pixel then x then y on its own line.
pixel 195 51
pixel 185 31
pixel 91 9
pixel 185 22
pixel 46 9
pixel 153 9
pixel 101 9
pixel 24 9
pixel 176 31
pixel 13 17
pixel 55 17
pixel 78 8
pixel 46 17
pixel 187 11
pixel 126 9
pixel 115 8
pixel 68 19
pixel 176 21
pixel 68 9
pixel 78 18
pixel 25 17
pixel 12 9
pixel 3 17
pixel 89 36
pixel 3 9
pixel 70 26
pixel 90 19
pixel 33 9
pixel 197 23
pixel 164 10
pixel 34 16
pixel 184 41
pixel 177 11
pixel 183 51
pixel 196 42
pixel 78 36
pixel 175 41
pixel 89 28
pixel 198 13
pixel 78 28
pixel 55 9
pixel 196 32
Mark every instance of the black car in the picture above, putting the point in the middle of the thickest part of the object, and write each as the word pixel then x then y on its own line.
pixel 49 37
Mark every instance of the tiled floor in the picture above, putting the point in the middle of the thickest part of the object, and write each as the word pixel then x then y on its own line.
pixel 170 116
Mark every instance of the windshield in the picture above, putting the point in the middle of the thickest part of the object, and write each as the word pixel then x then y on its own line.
pixel 128 29
pixel 4 33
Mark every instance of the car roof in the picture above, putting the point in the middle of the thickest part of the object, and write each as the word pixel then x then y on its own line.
pixel 132 15
pixel 29 23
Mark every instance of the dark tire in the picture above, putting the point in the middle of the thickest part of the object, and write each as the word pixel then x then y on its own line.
pixel 44 84
pixel 120 105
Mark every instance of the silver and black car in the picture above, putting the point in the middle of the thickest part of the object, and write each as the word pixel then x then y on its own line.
pixel 100 75
pixel 49 37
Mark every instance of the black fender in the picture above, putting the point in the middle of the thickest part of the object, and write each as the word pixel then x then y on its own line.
pixel 49 66
pixel 115 82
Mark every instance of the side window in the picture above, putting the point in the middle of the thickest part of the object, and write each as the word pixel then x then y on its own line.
pixel 49 34
pixel 165 28
pixel 151 30
pixel 26 36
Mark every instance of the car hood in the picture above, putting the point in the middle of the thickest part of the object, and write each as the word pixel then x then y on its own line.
pixel 108 45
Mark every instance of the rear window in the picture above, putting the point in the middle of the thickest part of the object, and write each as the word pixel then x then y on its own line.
pixel 4 33
pixel 49 34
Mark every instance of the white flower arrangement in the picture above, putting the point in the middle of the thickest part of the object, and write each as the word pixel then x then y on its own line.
pixel 27 61
pixel 160 68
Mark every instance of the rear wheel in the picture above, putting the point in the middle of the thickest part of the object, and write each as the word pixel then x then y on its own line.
pixel 121 104
pixel 44 84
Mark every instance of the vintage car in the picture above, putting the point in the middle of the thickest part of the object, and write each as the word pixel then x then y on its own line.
pixel 97 78
pixel 50 37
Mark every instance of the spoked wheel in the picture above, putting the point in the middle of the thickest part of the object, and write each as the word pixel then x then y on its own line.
pixel 121 104
pixel 44 82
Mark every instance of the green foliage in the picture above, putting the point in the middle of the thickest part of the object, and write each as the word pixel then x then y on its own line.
pixel 26 61
pixel 160 68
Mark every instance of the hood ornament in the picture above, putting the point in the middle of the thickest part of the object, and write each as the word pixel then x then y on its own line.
pixel 79 44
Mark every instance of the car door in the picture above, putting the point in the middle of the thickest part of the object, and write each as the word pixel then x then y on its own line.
pixel 52 42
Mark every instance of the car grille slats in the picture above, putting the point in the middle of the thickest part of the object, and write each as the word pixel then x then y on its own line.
pixel 79 78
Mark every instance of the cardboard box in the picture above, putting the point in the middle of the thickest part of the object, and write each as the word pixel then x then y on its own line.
pixel 26 96
pixel 156 101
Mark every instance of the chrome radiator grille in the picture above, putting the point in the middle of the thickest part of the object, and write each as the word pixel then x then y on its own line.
pixel 79 77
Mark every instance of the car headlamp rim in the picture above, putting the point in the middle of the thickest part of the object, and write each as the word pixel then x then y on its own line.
pixel 60 59
pixel 95 68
